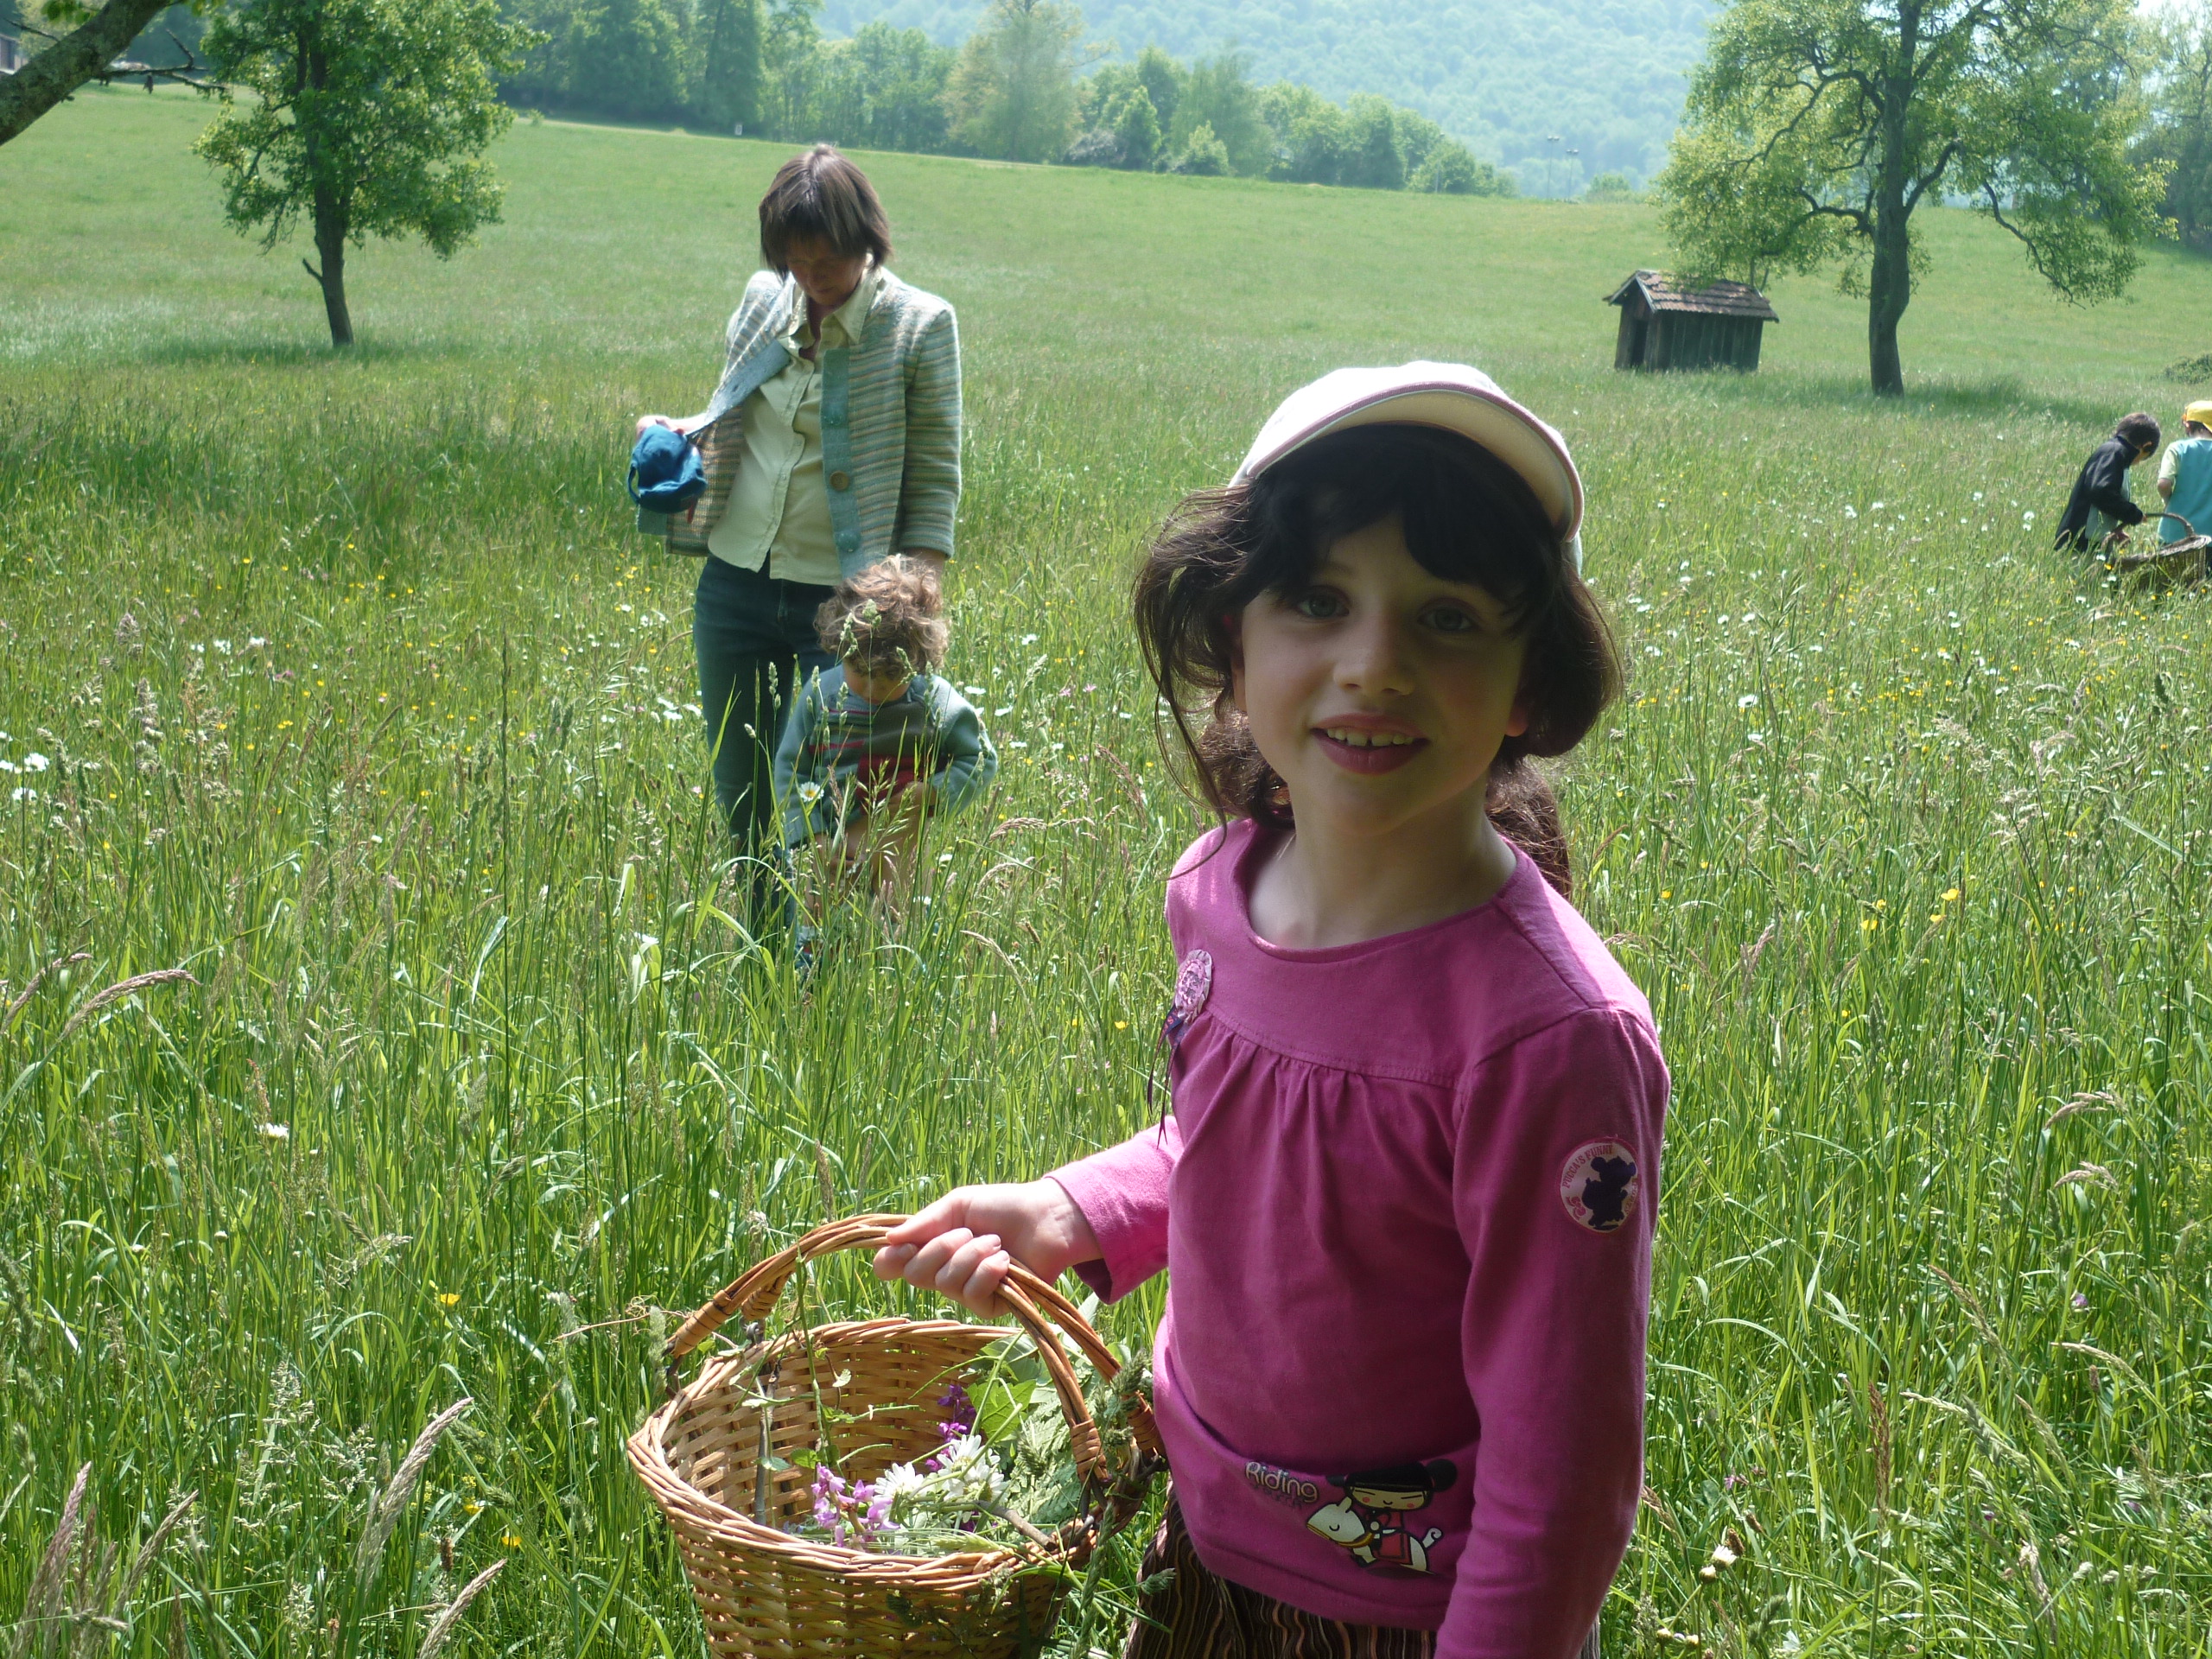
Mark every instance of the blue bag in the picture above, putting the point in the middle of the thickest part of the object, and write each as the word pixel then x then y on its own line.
pixel 666 474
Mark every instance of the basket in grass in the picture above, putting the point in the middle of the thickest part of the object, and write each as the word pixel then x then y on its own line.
pixel 892 1486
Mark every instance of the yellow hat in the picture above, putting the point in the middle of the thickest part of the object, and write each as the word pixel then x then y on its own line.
pixel 2199 412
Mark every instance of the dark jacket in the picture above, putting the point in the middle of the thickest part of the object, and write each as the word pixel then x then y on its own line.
pixel 2102 485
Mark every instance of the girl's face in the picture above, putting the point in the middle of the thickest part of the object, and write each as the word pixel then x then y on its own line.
pixel 1379 693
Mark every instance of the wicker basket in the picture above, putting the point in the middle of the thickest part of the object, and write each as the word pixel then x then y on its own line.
pixel 2181 562
pixel 765 1594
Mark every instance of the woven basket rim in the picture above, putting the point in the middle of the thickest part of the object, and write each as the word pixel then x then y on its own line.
pixel 648 1455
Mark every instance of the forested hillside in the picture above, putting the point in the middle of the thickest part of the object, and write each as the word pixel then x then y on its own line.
pixel 1605 76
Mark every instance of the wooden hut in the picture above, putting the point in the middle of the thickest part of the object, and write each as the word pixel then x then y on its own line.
pixel 1667 326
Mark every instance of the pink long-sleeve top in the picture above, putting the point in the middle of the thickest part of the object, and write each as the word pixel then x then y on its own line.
pixel 1405 1201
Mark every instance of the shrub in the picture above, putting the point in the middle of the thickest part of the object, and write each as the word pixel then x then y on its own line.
pixel 1203 154
pixel 1451 169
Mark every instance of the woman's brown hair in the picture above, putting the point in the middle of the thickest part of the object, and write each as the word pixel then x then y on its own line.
pixel 1467 517
pixel 822 196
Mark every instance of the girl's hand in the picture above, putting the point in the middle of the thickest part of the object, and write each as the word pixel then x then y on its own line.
pixel 646 422
pixel 961 1245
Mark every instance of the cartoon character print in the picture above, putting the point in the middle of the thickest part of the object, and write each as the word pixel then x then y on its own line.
pixel 1597 1185
pixel 1369 1519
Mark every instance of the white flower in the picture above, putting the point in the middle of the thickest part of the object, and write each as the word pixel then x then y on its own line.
pixel 1748 700
pixel 898 1483
pixel 276 1132
pixel 7 765
pixel 969 1478
pixel 35 762
pixel 1029 638
pixel 1876 507
pixel 810 793
pixel 1851 512
pixel 25 795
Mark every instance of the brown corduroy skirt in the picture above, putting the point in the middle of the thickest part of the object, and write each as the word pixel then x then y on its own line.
pixel 1195 1615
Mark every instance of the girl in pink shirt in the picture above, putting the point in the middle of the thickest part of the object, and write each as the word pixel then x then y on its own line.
pixel 1405 1193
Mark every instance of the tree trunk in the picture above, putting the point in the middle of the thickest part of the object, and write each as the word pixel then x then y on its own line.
pixel 1889 290
pixel 1889 284
pixel 330 243
pixel 331 211
pixel 71 61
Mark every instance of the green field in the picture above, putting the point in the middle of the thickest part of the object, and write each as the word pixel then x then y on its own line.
pixel 359 702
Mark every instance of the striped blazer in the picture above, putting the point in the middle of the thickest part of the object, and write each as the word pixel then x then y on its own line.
pixel 890 422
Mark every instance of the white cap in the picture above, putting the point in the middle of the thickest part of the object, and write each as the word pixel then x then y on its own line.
pixel 1448 395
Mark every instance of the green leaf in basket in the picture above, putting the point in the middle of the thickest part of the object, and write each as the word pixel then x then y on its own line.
pixel 1000 1407
pixel 778 1465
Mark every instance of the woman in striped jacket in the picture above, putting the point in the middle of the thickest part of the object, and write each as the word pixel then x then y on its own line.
pixel 832 441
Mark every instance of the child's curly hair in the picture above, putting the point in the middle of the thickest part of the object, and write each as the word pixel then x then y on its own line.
pixel 886 620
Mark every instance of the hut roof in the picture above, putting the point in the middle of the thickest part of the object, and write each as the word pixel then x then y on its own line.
pixel 1662 293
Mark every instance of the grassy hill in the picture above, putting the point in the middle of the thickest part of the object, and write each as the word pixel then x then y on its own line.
pixel 1606 78
pixel 351 693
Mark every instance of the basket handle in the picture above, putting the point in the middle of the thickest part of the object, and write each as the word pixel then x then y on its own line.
pixel 1031 1300
pixel 2182 522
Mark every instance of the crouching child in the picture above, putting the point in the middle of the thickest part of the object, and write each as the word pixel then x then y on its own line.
pixel 879 743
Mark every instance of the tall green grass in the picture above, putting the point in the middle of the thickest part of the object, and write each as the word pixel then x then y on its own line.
pixel 360 703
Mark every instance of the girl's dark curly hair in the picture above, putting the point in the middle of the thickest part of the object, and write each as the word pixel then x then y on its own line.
pixel 1467 518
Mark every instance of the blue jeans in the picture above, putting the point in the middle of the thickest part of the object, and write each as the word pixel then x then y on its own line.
pixel 753 634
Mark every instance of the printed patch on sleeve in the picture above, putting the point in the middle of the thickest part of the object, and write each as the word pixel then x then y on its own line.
pixel 1192 986
pixel 1597 1185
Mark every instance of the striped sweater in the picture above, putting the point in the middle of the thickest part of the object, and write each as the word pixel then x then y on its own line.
pixel 842 756
pixel 890 422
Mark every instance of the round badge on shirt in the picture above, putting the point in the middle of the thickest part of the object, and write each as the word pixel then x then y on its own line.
pixel 1192 986
pixel 1597 1185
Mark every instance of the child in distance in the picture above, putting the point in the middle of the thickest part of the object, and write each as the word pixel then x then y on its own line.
pixel 879 743
pixel 1407 1189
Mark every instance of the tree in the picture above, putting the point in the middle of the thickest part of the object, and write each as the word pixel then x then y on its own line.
pixel 723 88
pixel 1216 94
pixel 1162 79
pixel 1372 159
pixel 1311 135
pixel 367 118
pixel 2180 133
pixel 790 56
pixel 626 57
pixel 1135 126
pixel 1816 128
pixel 884 89
pixel 97 39
pixel 1013 92
pixel 1610 186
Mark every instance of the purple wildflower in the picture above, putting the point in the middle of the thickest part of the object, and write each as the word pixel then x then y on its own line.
pixel 955 1404
pixel 841 1507
pixel 959 1422
pixel 2081 1303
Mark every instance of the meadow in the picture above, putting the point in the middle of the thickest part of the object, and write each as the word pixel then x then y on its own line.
pixel 339 694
